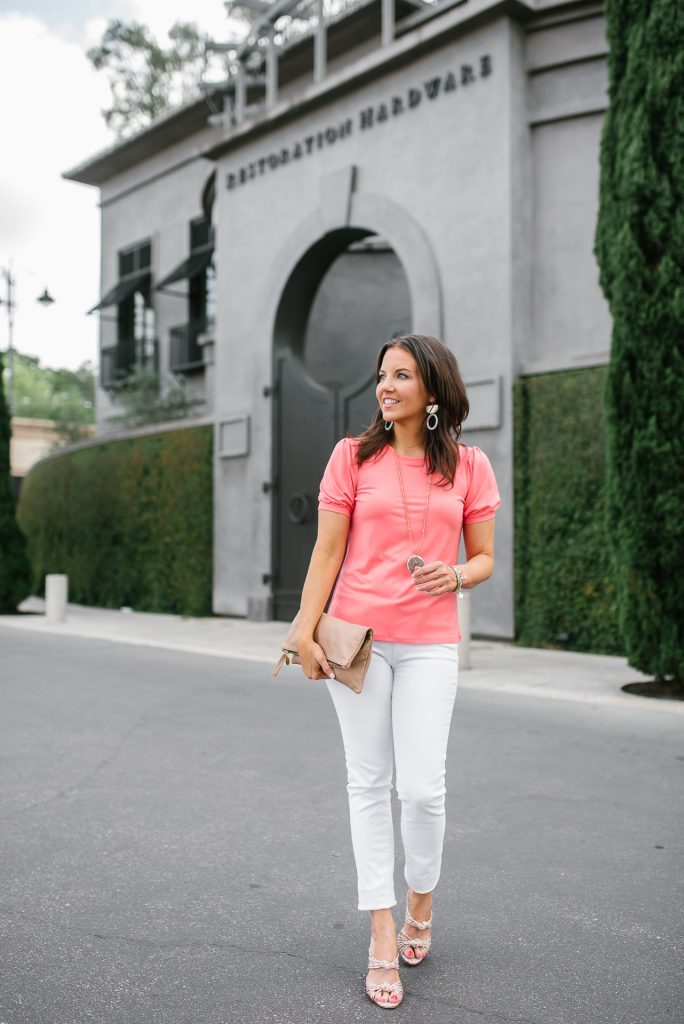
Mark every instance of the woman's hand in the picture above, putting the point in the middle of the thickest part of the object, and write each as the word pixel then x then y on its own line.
pixel 439 578
pixel 314 662
pixel 435 578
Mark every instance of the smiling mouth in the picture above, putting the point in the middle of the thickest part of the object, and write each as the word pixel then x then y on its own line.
pixel 390 401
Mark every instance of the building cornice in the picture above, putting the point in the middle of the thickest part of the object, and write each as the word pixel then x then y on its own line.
pixel 416 34
pixel 444 26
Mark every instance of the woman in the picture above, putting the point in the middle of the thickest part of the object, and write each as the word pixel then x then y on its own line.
pixel 396 499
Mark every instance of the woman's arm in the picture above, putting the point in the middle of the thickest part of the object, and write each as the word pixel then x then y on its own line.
pixel 478 539
pixel 326 559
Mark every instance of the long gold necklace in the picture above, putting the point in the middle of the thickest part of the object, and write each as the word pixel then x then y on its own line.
pixel 415 559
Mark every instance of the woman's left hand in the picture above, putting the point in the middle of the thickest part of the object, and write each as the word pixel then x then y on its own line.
pixel 435 578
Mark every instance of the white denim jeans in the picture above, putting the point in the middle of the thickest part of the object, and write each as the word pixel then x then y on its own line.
pixel 402 715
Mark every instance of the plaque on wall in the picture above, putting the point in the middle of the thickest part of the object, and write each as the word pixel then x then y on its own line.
pixel 233 437
pixel 485 404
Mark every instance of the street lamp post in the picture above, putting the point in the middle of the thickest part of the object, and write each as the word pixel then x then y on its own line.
pixel 9 302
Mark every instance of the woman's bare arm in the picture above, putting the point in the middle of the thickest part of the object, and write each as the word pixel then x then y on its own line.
pixel 326 559
pixel 478 539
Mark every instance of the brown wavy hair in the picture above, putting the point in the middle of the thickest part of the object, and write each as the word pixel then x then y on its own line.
pixel 442 378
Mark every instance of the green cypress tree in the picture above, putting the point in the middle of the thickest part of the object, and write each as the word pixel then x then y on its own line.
pixel 15 571
pixel 640 250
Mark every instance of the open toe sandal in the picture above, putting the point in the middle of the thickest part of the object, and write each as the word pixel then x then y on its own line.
pixel 372 987
pixel 404 940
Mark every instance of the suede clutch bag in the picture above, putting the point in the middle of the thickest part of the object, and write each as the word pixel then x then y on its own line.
pixel 347 647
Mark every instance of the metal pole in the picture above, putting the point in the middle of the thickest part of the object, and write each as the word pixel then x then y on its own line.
pixel 271 70
pixel 9 303
pixel 387 22
pixel 464 624
pixel 46 300
pixel 240 94
pixel 320 43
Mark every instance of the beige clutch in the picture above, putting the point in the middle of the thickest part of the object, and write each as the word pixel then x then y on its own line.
pixel 347 647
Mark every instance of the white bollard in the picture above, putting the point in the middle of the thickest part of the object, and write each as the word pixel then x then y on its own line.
pixel 56 587
pixel 464 623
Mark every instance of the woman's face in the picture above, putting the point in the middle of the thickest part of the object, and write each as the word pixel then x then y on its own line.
pixel 400 390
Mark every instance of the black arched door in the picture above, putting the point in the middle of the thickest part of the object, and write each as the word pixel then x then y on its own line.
pixel 346 297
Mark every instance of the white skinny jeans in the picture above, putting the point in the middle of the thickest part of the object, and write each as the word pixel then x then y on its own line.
pixel 403 714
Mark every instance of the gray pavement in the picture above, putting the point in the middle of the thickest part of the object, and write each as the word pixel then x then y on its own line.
pixel 175 840
pixel 499 666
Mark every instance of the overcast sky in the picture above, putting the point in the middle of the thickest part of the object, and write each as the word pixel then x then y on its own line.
pixel 51 121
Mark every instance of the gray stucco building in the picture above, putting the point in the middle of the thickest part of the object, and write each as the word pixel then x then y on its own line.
pixel 425 167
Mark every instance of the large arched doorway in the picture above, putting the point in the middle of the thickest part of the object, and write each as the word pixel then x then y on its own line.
pixel 345 297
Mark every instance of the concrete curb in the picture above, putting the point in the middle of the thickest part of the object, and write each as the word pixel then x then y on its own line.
pixel 498 667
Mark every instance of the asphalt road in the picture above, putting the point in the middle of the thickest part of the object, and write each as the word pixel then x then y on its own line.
pixel 175 848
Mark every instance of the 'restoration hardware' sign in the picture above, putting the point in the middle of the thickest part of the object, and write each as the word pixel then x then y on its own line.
pixel 367 118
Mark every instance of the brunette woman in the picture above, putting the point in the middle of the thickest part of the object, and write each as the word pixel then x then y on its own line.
pixel 397 499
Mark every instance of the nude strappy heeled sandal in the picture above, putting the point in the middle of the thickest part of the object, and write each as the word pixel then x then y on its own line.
pixel 389 986
pixel 404 940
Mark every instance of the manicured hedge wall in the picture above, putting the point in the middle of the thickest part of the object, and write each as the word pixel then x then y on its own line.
pixel 564 594
pixel 129 521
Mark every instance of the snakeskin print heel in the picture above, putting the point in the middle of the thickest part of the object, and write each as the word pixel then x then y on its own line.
pixel 378 986
pixel 404 940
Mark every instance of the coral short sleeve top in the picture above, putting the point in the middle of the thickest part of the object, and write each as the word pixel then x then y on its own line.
pixel 374 587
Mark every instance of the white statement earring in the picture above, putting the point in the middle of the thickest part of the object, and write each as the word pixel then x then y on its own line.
pixel 432 415
pixel 388 424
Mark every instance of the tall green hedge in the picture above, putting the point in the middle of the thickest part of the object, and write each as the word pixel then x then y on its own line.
pixel 640 249
pixel 565 597
pixel 129 521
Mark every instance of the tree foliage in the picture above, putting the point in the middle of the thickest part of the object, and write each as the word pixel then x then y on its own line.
pixel 145 77
pixel 15 572
pixel 67 397
pixel 640 249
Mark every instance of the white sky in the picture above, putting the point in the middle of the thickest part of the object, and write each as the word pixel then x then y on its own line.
pixel 51 102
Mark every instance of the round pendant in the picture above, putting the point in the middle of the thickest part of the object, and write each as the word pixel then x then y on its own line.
pixel 413 562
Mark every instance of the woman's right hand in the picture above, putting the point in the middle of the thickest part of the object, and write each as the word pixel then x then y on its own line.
pixel 314 662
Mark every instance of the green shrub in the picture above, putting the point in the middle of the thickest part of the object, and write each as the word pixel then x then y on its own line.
pixel 130 522
pixel 564 593
pixel 640 249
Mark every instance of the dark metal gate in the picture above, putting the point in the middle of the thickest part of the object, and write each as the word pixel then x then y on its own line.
pixel 310 420
pixel 311 413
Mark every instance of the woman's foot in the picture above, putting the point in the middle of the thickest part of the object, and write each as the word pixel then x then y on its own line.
pixel 420 908
pixel 383 946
